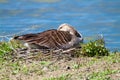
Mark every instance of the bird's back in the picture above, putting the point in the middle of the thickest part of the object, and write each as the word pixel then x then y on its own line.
pixel 50 39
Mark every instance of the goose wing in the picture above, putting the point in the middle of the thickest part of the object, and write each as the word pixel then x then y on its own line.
pixel 52 39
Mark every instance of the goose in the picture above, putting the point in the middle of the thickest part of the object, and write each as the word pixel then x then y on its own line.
pixel 64 37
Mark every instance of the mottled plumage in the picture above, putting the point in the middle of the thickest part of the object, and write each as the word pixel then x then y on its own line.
pixel 63 38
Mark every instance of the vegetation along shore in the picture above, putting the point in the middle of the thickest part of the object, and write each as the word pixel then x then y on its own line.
pixel 93 61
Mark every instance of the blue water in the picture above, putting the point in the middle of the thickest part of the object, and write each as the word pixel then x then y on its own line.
pixel 88 17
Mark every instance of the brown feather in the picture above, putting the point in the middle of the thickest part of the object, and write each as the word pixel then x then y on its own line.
pixel 52 39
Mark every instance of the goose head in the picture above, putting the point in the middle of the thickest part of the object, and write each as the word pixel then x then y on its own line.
pixel 68 28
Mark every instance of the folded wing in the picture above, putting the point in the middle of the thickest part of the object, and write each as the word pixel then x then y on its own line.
pixel 50 39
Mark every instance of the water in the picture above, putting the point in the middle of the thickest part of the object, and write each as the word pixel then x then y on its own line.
pixel 88 17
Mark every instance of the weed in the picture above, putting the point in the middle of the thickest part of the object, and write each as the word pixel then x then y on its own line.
pixel 25 69
pixel 4 48
pixel 63 77
pixel 94 48
pixel 7 47
pixel 113 58
pixel 44 63
pixel 15 67
pixel 85 63
pixel 101 75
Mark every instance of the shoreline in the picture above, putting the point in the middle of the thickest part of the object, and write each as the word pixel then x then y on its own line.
pixel 59 66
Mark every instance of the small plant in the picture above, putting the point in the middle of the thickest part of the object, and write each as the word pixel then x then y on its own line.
pixel 94 48
pixel 102 75
pixel 15 67
pixel 25 69
pixel 63 77
pixel 6 47
pixel 44 63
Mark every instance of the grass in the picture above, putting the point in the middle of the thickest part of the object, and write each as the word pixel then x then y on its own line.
pixel 93 62
pixel 102 75
pixel 63 77
pixel 86 63
pixel 7 47
pixel 92 67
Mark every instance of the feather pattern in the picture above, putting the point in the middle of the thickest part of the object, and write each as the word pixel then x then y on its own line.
pixel 52 39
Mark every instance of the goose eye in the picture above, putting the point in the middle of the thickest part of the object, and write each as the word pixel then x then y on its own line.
pixel 60 27
pixel 77 34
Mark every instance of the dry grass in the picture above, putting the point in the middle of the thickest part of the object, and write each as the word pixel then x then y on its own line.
pixel 62 68
pixel 23 64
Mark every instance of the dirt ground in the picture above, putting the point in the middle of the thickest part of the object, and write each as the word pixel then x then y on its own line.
pixel 68 67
